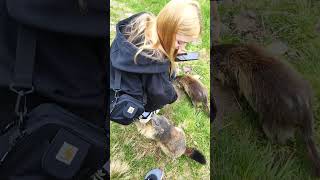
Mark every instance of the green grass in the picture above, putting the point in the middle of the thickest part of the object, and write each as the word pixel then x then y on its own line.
pixel 241 151
pixel 134 154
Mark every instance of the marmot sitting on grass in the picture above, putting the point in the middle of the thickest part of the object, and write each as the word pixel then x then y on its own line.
pixel 171 139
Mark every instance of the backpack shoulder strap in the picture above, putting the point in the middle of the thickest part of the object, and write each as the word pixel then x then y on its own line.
pixel 23 69
pixel 25 56
pixel 117 78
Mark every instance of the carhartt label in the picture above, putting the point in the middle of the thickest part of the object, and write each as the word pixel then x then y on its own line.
pixel 130 110
pixel 66 153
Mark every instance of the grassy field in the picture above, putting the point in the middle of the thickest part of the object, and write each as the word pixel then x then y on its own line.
pixel 241 151
pixel 132 155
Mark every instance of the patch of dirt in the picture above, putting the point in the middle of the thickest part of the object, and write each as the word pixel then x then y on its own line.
pixel 278 48
pixel 245 22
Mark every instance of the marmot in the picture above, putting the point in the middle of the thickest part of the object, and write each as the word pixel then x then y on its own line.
pixel 171 139
pixel 195 90
pixel 280 95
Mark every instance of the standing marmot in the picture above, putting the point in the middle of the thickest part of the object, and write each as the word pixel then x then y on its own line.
pixel 195 90
pixel 281 97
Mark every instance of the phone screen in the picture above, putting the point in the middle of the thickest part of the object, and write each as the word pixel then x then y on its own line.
pixel 188 56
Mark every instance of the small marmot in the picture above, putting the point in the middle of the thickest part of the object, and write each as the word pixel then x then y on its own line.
pixel 171 139
pixel 195 90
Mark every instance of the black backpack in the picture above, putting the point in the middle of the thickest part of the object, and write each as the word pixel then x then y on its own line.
pixel 52 144
pixel 124 109
pixel 47 142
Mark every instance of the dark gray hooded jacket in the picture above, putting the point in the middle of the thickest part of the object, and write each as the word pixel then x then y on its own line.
pixel 147 79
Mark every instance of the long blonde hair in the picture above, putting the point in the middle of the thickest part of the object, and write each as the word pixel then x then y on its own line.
pixel 155 36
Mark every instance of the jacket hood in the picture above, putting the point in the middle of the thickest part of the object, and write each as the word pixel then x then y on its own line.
pixel 123 52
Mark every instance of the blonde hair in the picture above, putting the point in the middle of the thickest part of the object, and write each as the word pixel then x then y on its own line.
pixel 155 36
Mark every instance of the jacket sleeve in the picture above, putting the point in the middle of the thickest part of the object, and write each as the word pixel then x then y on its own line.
pixel 159 91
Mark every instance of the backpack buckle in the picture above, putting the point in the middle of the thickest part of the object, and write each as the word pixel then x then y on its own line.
pixel 116 94
pixel 21 102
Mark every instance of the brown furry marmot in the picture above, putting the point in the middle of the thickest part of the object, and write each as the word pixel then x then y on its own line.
pixel 195 90
pixel 171 139
pixel 280 95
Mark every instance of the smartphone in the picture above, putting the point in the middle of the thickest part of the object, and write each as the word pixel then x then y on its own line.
pixel 190 56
